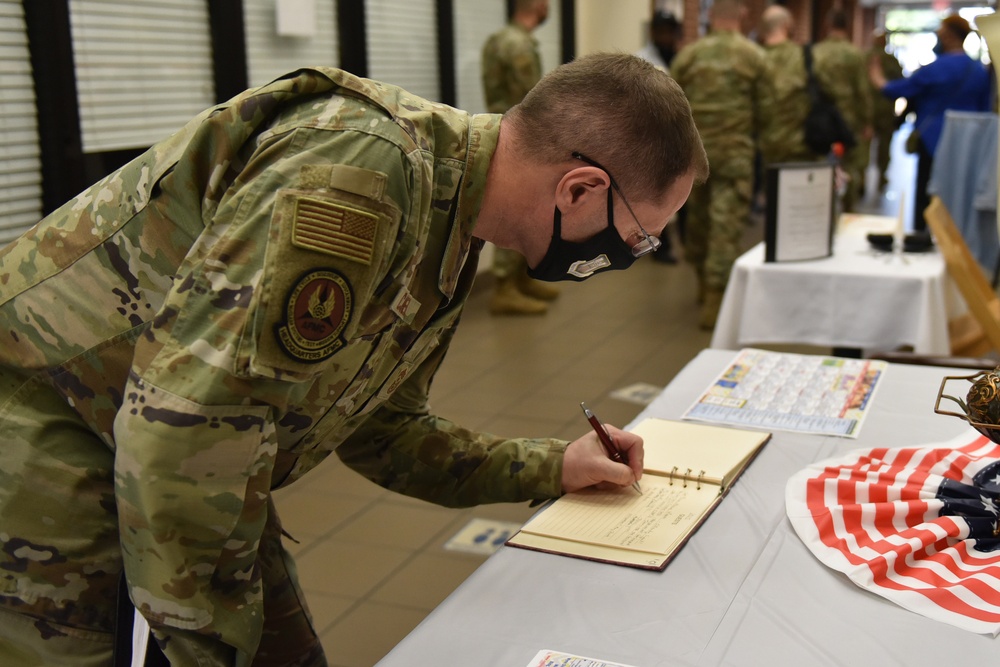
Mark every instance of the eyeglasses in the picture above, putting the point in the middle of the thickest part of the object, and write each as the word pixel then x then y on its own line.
pixel 649 243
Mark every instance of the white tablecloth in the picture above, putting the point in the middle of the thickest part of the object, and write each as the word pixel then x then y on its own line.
pixel 858 298
pixel 743 591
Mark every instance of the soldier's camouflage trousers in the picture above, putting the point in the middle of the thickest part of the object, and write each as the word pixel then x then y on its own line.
pixel 855 163
pixel 288 640
pixel 508 263
pixel 718 211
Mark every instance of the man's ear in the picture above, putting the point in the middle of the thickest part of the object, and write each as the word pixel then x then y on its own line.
pixel 578 185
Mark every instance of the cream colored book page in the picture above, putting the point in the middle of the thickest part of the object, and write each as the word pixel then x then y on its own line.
pixel 590 551
pixel 719 451
pixel 652 522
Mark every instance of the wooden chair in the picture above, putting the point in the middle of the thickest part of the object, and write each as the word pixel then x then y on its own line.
pixel 978 332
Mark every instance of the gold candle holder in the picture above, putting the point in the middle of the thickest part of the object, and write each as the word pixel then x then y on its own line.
pixel 981 408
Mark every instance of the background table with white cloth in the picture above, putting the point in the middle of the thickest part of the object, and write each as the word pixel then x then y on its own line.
pixel 856 298
pixel 744 591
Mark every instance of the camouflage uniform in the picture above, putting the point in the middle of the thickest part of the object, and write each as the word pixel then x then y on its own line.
pixel 884 119
pixel 511 67
pixel 725 77
pixel 277 281
pixel 842 72
pixel 783 137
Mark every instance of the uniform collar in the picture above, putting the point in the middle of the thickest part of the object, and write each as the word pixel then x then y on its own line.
pixel 484 133
pixel 527 33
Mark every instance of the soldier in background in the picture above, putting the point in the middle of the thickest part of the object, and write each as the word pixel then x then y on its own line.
pixel 278 281
pixel 726 79
pixel 783 138
pixel 842 72
pixel 954 80
pixel 664 41
pixel 511 66
pixel 885 121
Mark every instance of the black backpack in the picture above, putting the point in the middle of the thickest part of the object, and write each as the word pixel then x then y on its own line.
pixel 824 126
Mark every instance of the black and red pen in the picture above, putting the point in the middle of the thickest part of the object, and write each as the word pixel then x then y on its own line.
pixel 610 447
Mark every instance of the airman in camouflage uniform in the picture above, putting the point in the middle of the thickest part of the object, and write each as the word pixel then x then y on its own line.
pixel 842 72
pixel 726 79
pixel 885 122
pixel 511 66
pixel 277 281
pixel 783 137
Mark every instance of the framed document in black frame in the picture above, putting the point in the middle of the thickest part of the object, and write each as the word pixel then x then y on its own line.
pixel 799 220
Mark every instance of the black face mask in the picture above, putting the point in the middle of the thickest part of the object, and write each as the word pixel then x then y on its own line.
pixel 570 260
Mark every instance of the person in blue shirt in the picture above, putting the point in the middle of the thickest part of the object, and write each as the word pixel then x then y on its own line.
pixel 953 81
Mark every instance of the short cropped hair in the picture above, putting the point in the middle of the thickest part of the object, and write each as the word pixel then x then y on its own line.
pixel 616 109
pixel 838 19
pixel 525 5
pixel 959 26
pixel 774 18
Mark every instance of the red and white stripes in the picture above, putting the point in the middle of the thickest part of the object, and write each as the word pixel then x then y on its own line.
pixel 910 524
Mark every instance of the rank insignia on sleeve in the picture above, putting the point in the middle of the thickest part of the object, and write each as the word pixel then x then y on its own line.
pixel 334 228
pixel 404 305
pixel 317 309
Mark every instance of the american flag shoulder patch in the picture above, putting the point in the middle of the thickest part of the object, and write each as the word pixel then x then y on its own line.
pixel 334 228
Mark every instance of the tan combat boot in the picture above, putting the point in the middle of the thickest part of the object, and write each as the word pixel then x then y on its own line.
pixel 537 289
pixel 508 300
pixel 710 308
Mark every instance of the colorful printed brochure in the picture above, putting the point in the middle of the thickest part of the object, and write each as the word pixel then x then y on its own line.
pixel 779 391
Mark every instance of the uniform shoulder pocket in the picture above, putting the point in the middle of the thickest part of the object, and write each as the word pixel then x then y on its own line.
pixel 326 252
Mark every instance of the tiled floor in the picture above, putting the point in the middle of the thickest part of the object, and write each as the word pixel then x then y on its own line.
pixel 372 563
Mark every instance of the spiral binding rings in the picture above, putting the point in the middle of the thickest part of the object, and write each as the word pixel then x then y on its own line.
pixel 687 476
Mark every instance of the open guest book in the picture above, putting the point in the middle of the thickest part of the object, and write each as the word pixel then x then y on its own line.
pixel 688 470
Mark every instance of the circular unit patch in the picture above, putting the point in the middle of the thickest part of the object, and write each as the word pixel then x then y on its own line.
pixel 317 309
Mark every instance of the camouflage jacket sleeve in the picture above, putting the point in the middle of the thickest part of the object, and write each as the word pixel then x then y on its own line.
pixel 764 103
pixel 679 67
pixel 783 137
pixel 723 77
pixel 525 71
pixel 863 90
pixel 842 73
pixel 511 67
pixel 198 431
pixel 406 449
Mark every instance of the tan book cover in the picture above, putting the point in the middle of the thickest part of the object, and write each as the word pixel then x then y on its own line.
pixel 689 467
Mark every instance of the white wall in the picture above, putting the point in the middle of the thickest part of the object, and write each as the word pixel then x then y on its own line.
pixel 549 38
pixel 475 20
pixel 611 26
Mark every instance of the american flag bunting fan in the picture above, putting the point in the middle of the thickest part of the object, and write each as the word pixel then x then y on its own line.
pixel 919 526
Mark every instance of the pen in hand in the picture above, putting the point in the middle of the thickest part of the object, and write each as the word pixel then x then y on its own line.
pixel 610 447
